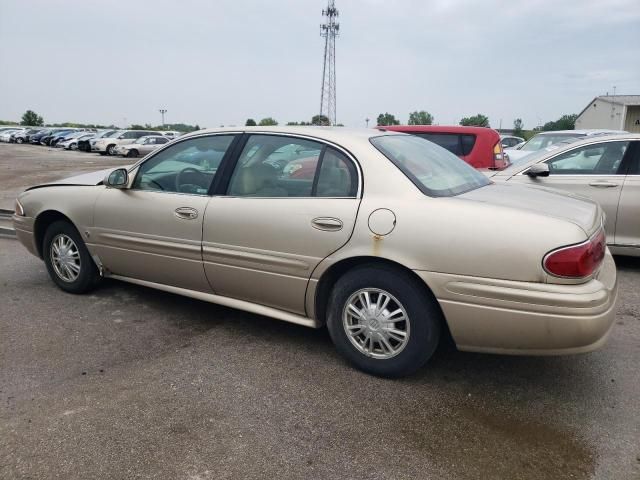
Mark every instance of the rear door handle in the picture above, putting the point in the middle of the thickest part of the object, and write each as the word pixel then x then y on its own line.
pixel 329 224
pixel 603 184
pixel 186 213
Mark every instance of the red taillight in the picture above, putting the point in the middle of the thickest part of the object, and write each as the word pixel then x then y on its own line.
pixel 577 261
pixel 500 159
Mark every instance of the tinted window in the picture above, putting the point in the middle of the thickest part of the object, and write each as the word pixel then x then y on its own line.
pixel 446 140
pixel 186 167
pixel 598 159
pixel 434 170
pixel 275 166
pixel 468 142
pixel 160 140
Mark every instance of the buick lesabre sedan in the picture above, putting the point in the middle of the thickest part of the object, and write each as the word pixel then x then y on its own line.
pixel 392 241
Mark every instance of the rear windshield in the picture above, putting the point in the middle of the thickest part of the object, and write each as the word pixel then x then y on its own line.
pixel 434 170
pixel 458 144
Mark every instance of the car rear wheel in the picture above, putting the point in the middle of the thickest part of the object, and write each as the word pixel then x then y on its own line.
pixel 19 140
pixel 68 261
pixel 383 321
pixel 73 146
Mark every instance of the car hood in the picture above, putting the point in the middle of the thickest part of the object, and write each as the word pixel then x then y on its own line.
pixel 549 202
pixel 91 178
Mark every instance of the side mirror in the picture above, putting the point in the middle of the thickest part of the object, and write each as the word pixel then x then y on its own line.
pixel 117 179
pixel 538 170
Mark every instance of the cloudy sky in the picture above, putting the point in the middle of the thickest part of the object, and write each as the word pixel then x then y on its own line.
pixel 220 62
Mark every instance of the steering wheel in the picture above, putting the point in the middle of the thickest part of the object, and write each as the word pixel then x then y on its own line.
pixel 180 173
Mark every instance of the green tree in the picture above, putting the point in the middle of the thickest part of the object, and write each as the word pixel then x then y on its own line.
pixel 565 122
pixel 320 120
pixel 267 122
pixel 387 119
pixel 420 118
pixel 250 122
pixel 478 120
pixel 31 118
pixel 517 127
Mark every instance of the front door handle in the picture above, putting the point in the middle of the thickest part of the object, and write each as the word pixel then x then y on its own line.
pixel 186 213
pixel 603 184
pixel 329 224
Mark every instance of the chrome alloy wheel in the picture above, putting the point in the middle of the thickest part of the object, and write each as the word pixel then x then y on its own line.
pixel 65 258
pixel 376 323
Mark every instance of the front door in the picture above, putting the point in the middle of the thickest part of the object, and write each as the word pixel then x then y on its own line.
pixel 153 230
pixel 594 170
pixel 290 202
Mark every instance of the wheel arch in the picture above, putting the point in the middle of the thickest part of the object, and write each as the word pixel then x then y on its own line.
pixel 335 271
pixel 42 222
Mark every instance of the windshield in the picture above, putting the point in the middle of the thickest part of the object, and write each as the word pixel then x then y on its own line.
pixel 541 141
pixel 433 169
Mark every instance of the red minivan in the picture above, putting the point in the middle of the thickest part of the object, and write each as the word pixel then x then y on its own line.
pixel 478 146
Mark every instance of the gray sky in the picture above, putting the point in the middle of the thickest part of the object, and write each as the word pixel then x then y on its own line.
pixel 220 62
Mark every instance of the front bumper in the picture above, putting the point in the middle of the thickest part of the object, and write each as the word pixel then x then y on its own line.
pixel 522 318
pixel 24 233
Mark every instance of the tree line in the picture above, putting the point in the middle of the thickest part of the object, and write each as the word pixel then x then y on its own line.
pixel 418 117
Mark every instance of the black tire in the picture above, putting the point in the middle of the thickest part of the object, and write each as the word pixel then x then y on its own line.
pixel 132 153
pixel 88 276
pixel 424 320
pixel 111 150
pixel 19 140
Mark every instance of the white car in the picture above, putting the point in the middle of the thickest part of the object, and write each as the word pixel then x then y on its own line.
pixel 5 135
pixel 545 139
pixel 510 141
pixel 107 145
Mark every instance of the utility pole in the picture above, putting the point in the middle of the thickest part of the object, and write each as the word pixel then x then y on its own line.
pixel 162 112
pixel 329 30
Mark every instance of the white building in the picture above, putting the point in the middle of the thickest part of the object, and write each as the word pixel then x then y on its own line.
pixel 615 112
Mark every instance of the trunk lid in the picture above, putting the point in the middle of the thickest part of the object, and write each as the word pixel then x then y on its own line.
pixel 576 209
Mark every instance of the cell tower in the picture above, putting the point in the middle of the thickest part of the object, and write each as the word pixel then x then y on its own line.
pixel 329 30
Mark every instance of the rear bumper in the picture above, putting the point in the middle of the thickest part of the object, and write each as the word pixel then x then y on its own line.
pixel 521 318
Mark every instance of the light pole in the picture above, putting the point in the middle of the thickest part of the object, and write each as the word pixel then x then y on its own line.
pixel 162 112
pixel 367 120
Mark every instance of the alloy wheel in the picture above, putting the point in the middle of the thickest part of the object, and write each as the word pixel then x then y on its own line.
pixel 65 258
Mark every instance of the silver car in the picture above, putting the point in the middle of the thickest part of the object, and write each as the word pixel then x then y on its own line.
pixel 142 146
pixel 386 238
pixel 605 169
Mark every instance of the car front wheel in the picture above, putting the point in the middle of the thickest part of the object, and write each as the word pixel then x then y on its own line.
pixel 383 321
pixel 111 150
pixel 67 259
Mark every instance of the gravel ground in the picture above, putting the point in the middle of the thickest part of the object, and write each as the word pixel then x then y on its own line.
pixel 129 382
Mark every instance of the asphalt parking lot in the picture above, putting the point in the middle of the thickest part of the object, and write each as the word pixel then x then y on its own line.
pixel 128 382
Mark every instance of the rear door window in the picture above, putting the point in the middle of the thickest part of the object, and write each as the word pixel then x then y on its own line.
pixel 467 144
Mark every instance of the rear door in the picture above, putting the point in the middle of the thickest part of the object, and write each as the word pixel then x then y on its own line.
pixel 288 203
pixel 628 221
pixel 596 171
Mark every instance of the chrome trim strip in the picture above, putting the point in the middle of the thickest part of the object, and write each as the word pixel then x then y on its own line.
pixel 226 301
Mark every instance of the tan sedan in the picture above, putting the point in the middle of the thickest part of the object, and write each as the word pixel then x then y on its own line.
pixel 604 168
pixel 389 241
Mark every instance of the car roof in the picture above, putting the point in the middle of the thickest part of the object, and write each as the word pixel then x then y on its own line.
pixel 337 135
pixel 438 129
pixel 583 132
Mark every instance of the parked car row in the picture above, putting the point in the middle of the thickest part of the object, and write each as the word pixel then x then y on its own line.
pixel 128 143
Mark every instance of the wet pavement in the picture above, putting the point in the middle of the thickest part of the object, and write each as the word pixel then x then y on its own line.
pixel 129 382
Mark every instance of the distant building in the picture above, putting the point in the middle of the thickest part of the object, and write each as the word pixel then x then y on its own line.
pixel 616 112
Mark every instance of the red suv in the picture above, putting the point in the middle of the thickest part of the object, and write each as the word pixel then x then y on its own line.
pixel 478 146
